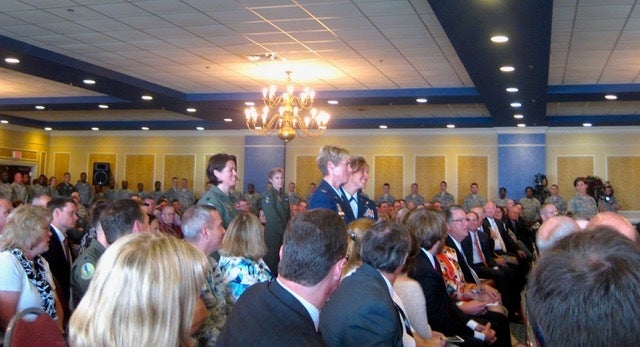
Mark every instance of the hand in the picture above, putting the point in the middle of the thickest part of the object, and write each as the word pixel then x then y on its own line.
pixel 500 261
pixel 473 307
pixel 521 254
pixel 489 334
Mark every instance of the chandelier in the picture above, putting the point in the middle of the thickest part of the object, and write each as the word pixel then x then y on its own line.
pixel 288 121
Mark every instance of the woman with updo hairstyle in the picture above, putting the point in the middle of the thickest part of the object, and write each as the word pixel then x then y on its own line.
pixel 241 255
pixel 143 293
pixel 222 173
pixel 355 230
pixel 275 207
pixel 25 278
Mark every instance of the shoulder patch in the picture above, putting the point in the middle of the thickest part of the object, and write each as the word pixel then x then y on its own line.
pixel 86 271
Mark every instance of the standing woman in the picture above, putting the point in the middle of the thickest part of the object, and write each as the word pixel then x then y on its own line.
pixel 25 278
pixel 275 205
pixel 222 173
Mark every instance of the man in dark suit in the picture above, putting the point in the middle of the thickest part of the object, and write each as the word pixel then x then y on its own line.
pixel 359 206
pixel 373 319
pixel 333 162
pixel 444 316
pixel 286 311
pixel 64 213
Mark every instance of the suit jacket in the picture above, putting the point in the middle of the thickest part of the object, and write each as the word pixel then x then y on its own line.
pixel 60 267
pixel 444 315
pixel 326 197
pixel 485 245
pixel 512 246
pixel 268 315
pixel 361 312
pixel 466 270
pixel 522 232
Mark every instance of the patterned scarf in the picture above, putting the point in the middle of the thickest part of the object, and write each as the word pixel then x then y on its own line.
pixel 36 274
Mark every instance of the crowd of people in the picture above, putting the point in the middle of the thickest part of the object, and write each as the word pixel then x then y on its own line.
pixel 334 268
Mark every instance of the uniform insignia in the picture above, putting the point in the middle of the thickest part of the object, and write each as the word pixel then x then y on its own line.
pixel 340 211
pixel 267 200
pixel 86 271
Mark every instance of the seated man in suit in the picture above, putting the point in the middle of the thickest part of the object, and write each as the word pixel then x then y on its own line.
pixel 286 311
pixel 585 291
pixel 443 314
pixel 372 319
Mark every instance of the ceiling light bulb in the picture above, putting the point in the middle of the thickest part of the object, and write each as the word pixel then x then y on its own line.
pixel 199 128
pixel 611 97
pixel 4 121
pixel 451 126
pixel 516 104
pixel 521 125
pixel 332 102
pixel 499 39
pixel 11 60
pixel 103 106
pixel 147 97
pixel 39 107
pixel 144 128
pixel 421 100
pixel 586 125
pixel 507 68
pixel 228 120
pixel 191 109
pixel 88 81
pixel 95 128
pixel 48 128
pixel 518 116
pixel 249 103
pixel 382 126
pixel 512 90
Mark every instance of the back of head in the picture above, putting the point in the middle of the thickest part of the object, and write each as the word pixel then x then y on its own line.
pixel 428 225
pixel 244 237
pixel 194 219
pixel 118 219
pixel 355 230
pixel 616 222
pixel 585 291
pixel 554 229
pixel 166 274
pixel 385 246
pixel 313 242
pixel 58 203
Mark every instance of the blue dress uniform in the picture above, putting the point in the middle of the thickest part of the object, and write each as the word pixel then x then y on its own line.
pixel 366 208
pixel 327 197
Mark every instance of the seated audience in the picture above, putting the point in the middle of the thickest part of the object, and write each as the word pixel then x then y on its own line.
pixel 286 311
pixel 241 263
pixel 585 291
pixel 202 227
pixel 25 279
pixel 144 293
pixel 166 222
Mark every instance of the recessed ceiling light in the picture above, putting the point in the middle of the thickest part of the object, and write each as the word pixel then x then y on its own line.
pixel 516 104
pixel 88 81
pixel 39 107
pixel 147 97
pixel 11 60
pixel 499 39
pixel 586 125
pixel 4 121
pixel 144 128
pixel 48 128
pixel 228 120
pixel 191 109
pixel 421 100
pixel 103 106
pixel 332 102
pixel 95 128
pixel 521 125
pixel 249 103
pixel 507 68
pixel 512 90
pixel 451 126
pixel 199 128
pixel 611 97
pixel 518 116
pixel 382 126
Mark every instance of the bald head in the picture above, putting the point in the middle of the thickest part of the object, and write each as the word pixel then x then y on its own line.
pixel 548 211
pixel 615 221
pixel 554 229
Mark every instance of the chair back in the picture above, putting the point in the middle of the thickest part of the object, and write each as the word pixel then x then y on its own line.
pixel 32 327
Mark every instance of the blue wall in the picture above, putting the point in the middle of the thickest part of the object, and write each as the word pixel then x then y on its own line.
pixel 261 154
pixel 520 158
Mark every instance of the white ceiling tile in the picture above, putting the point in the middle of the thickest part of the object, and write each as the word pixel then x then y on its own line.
pixel 160 7
pixel 119 10
pixel 105 24
pixel 603 11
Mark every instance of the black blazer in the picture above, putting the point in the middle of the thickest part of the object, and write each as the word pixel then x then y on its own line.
pixel 58 264
pixel 512 246
pixel 266 314
pixel 361 312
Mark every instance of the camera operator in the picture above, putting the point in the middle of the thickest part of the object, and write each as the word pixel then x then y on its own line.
pixel 608 202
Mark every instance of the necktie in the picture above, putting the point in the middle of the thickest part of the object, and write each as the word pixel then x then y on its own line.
pixel 67 252
pixel 354 206
pixel 404 318
pixel 478 248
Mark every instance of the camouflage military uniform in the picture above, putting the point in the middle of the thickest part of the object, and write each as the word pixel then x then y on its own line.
pixel 212 296
pixel 583 207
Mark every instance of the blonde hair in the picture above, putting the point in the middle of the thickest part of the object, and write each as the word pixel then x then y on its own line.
pixel 143 293
pixel 328 154
pixel 25 226
pixel 356 230
pixel 244 238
